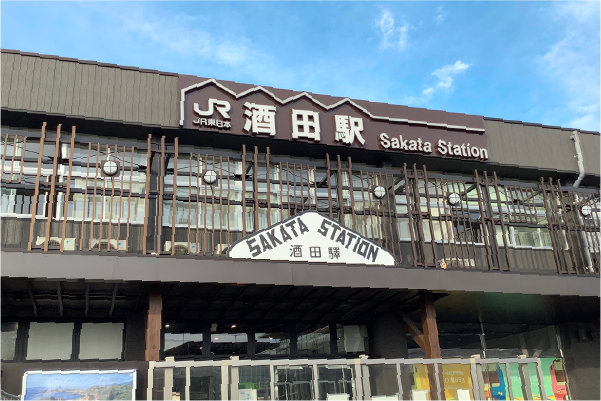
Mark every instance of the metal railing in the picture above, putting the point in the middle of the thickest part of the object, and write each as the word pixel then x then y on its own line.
pixel 55 196
pixel 348 379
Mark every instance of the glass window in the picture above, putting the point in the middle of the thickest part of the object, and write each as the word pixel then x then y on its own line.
pixel 313 340
pixel 383 381
pixel 293 383
pixel 418 381
pixel 253 383
pixel 335 382
pixel 495 381
pixel 9 340
pixel 49 341
pixel 403 228
pixel 457 381
pixel 352 339
pixel 460 345
pixel 273 343
pixel 229 340
pixel 181 344
pixel 101 341
pixel 205 383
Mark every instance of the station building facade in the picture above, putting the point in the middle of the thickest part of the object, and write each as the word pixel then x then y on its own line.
pixel 230 241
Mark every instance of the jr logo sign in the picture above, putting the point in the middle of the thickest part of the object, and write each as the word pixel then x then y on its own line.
pixel 311 237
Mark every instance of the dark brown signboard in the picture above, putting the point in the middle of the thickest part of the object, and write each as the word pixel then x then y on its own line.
pixel 230 107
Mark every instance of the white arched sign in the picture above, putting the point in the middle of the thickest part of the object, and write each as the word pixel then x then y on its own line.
pixel 311 237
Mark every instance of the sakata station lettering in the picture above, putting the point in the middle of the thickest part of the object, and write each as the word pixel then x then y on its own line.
pixel 260 119
pixel 312 238
pixel 443 148
pixel 286 232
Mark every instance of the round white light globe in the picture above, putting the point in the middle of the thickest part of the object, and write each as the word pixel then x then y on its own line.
pixel 586 210
pixel 209 177
pixel 454 199
pixel 379 192
pixel 110 168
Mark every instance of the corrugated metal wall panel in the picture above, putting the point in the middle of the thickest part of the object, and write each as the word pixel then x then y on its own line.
pixel 591 152
pixel 52 85
pixel 540 147
pixel 566 145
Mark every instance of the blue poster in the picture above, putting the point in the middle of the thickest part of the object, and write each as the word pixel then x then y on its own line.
pixel 80 385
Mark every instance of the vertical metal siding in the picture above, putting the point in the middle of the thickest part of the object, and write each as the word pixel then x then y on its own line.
pixel 591 152
pixel 50 85
pixel 540 147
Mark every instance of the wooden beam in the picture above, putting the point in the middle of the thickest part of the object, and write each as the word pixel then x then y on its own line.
pixel 429 326
pixel 33 304
pixel 411 328
pixel 60 298
pixel 154 323
pixel 114 297
pixel 87 297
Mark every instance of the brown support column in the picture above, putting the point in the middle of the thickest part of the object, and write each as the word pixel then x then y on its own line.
pixel 429 326
pixel 154 323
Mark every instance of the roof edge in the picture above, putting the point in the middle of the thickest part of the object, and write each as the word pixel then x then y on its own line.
pixel 540 125
pixel 91 62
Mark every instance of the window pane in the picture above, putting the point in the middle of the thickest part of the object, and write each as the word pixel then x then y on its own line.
pixel 229 340
pixel 205 383
pixel 313 340
pixel 383 381
pixel 253 383
pixel 182 344
pixel 352 339
pixel 335 381
pixel 293 383
pixel 273 343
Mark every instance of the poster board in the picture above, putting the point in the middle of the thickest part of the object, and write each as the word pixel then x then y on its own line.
pixel 80 384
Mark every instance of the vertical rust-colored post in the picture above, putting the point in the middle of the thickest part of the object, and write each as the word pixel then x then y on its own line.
pixel 243 177
pixel 34 208
pixel 154 323
pixel 256 188
pixel 146 204
pixel 66 202
pixel 52 186
pixel 268 177
pixel 22 158
pixel 429 326
pixel 161 198
pixel 174 189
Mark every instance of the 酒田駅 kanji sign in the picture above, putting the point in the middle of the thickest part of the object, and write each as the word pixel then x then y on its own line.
pixel 240 109
pixel 310 237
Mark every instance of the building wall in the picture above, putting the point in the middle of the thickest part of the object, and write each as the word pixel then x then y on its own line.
pixel 540 147
pixel 82 88
pixel 387 338
pixel 135 338
pixel 580 344
pixel 51 84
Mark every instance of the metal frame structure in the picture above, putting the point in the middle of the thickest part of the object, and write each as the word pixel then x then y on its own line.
pixel 183 214
pixel 360 369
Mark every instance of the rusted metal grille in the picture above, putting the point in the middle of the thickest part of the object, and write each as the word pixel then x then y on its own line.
pixel 178 200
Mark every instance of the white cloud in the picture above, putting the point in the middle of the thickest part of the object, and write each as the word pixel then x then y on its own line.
pixel 174 34
pixel 440 16
pixel 446 76
pixel 386 25
pixel 572 63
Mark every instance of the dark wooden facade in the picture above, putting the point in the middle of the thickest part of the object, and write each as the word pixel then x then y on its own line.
pixel 495 226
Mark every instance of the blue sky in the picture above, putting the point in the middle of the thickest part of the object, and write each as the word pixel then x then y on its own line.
pixel 529 61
